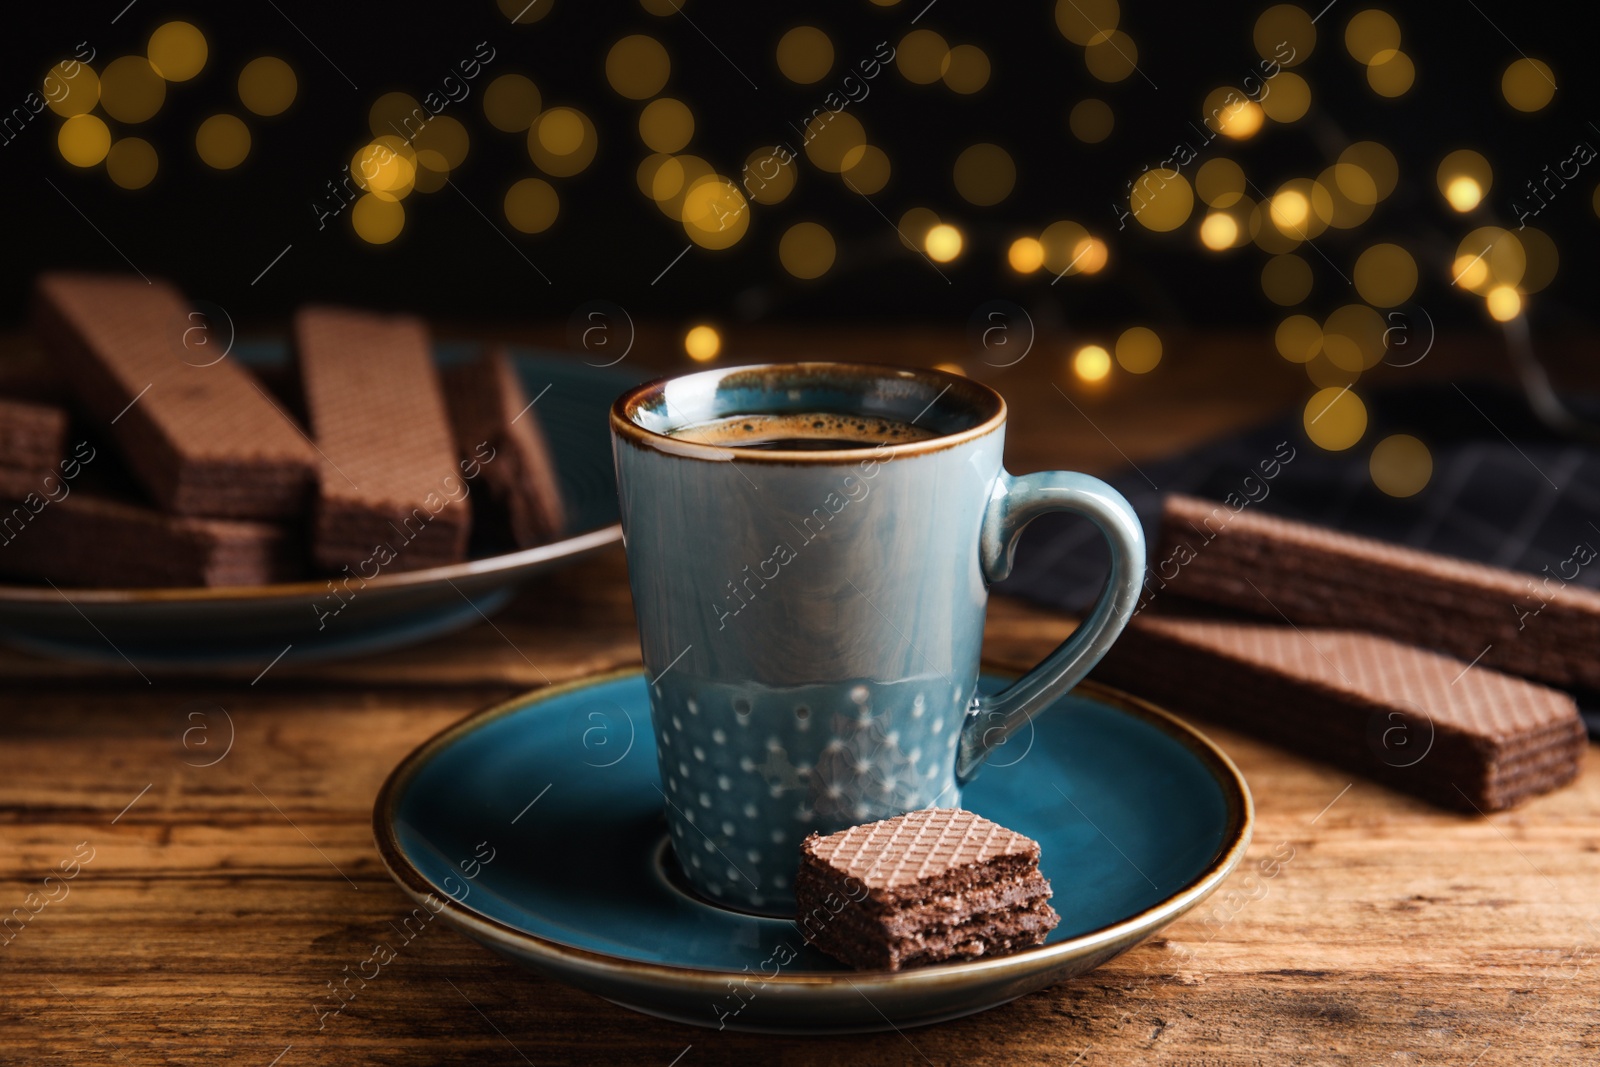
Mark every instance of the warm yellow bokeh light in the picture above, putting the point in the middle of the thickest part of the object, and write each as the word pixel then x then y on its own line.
pixel 1298 338
pixel 1286 279
pixel 1288 98
pixel 1025 255
pixel 74 95
pixel 1285 34
pixel 806 250
pixel 561 141
pixel 511 103
pixel 267 86
pixel 377 221
pixel 1386 275
pixel 83 140
pixel 915 225
pixel 715 213
pixel 637 67
pixel 965 69
pixel 1463 193
pixel 1091 363
pixel 830 137
pixel 223 141
pixel 1401 465
pixel 1542 259
pixel 1391 74
pixel 1161 201
pixel 702 343
pixel 805 55
pixel 1218 230
pixel 984 174
pixel 1138 350
pixel 1469 272
pixel 396 113
pixel 1220 182
pixel 1291 209
pixel 132 163
pixel 386 167
pixel 920 57
pixel 131 90
pixel 1080 21
pixel 177 51
pixel 1091 120
pixel 1371 33
pixel 942 243
pixel 1335 419
pixel 866 169
pixel 1367 168
pixel 1353 338
pixel 531 205
pixel 1499 251
pixel 768 175
pixel 1504 303
pixel 1112 56
pixel 1089 255
pixel 1232 114
pixel 1528 84
pixel 666 125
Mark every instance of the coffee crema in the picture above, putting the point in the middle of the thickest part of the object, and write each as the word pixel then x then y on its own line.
pixel 802 431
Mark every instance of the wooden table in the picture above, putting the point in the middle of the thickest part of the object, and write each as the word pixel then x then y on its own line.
pixel 212 905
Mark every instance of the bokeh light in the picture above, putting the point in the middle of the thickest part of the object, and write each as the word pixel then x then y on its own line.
pixel 1367 169
pixel 531 205
pixel 666 125
pixel 1386 275
pixel 267 86
pixel 1161 201
pixel 1091 363
pixel 985 174
pixel 385 167
pixel 637 66
pixel 1286 279
pixel 830 137
pixel 1285 34
pixel 1063 243
pixel 132 163
pixel 1219 230
pixel 1232 114
pixel 1138 350
pixel 223 141
pixel 511 103
pixel 396 113
pixel 1504 303
pixel 1220 182
pixel 1025 255
pixel 1298 338
pixel 805 55
pixel 1528 84
pixel 942 243
pixel 915 225
pixel 377 221
pixel 920 57
pixel 715 213
pixel 1353 338
pixel 71 88
pixel 702 343
pixel 1111 56
pixel 806 250
pixel 1288 98
pixel 1091 120
pixel 965 69
pixel 561 141
pixel 1370 33
pixel 866 169
pixel 1392 74
pixel 1080 21
pixel 177 51
pixel 768 179
pixel 83 140
pixel 1401 465
pixel 1541 257
pixel 1335 419
pixel 131 90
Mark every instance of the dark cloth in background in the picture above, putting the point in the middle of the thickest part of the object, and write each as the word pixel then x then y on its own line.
pixel 1505 491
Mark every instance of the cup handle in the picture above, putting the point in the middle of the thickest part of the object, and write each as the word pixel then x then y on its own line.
pixel 1013 504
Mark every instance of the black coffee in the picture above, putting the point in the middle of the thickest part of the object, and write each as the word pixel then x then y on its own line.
pixel 808 431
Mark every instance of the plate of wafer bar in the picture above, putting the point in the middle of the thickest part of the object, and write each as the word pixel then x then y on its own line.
pixel 174 501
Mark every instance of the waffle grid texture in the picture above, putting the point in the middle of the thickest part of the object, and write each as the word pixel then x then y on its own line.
pixel 918 846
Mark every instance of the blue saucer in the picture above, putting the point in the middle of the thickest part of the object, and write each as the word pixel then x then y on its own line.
pixel 536 828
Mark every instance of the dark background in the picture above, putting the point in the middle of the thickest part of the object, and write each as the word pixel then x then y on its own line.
pixel 214 231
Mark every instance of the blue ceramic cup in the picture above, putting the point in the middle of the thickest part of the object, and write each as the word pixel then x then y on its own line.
pixel 811 621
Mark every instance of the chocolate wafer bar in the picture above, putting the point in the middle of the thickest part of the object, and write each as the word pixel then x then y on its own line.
pixel 389 496
pixel 489 410
pixel 1542 626
pixel 928 886
pixel 1463 737
pixel 32 436
pixel 84 539
pixel 197 431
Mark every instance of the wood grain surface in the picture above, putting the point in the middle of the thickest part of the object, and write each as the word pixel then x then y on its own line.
pixel 209 906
